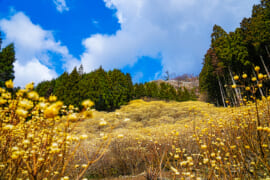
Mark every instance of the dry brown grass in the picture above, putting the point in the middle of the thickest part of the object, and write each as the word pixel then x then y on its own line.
pixel 150 131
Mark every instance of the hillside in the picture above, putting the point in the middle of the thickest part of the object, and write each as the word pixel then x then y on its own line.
pixel 151 139
pixel 180 83
pixel 189 84
pixel 177 134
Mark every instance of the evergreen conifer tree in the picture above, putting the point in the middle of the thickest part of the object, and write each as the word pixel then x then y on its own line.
pixel 7 59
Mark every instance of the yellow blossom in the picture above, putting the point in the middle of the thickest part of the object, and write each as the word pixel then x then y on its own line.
pixel 205 160
pixel 73 117
pixel 176 156
pixel 260 76
pixel 29 86
pixel 33 95
pixel 120 136
pixel 253 79
pixel 53 110
pixel 175 170
pixel 21 112
pixel 6 95
pixel 183 163
pixel 204 146
pixel 25 103
pixel 66 178
pixel 52 98
pixel 9 84
pixel 102 122
pixel 83 137
pixel 87 114
pixel 236 77
pixel 87 103
pixel 84 165
pixel 257 68
pixel 2 101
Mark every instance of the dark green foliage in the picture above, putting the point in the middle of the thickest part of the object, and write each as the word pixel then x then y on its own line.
pixel 108 90
pixel 163 91
pixel 72 93
pixel 100 90
pixel 121 88
pixel 139 91
pixel 7 58
pixel 151 90
pixel 236 53
pixel 45 88
pixel 208 78
pixel 61 88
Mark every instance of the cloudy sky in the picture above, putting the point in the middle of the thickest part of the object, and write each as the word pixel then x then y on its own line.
pixel 142 37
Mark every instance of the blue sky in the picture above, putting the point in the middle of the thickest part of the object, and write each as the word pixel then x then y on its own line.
pixel 142 37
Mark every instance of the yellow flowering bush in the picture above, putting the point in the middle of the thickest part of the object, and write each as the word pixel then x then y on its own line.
pixel 188 140
pixel 37 141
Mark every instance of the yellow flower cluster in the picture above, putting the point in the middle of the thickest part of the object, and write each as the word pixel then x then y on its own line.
pixel 35 135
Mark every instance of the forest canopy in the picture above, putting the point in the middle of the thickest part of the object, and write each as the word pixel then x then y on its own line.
pixel 237 53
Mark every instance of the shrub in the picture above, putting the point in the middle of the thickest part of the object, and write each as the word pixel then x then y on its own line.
pixel 36 136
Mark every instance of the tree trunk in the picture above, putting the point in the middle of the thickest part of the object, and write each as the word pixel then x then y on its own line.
pixel 265 67
pixel 267 51
pixel 221 91
pixel 238 94
pixel 235 100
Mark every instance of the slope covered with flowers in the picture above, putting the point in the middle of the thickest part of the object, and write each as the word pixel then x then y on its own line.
pixel 43 139
pixel 187 139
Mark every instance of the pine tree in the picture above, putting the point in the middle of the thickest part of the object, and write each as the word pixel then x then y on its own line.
pixel 163 93
pixel 120 88
pixel 139 91
pixel 151 90
pixel 61 88
pixel 99 89
pixel 72 92
pixel 45 88
pixel 7 58
pixel 129 86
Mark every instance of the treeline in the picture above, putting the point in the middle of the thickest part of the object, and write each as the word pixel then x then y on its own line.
pixel 163 91
pixel 7 58
pixel 109 90
pixel 237 53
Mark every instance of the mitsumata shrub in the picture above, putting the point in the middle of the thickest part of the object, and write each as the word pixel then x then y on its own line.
pixel 36 136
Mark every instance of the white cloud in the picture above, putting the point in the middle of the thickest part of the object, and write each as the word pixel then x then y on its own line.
pixel 32 71
pixel 33 46
pixel 179 30
pixel 30 39
pixel 61 5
